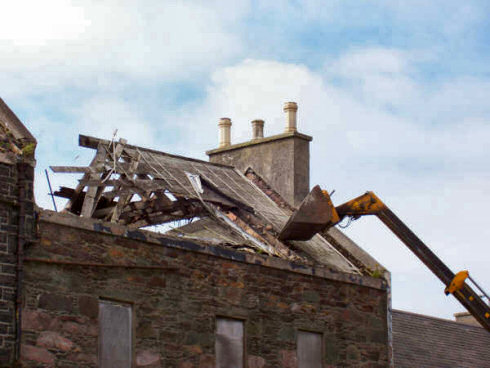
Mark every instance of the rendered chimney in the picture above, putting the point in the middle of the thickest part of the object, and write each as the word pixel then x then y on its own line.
pixel 290 108
pixel 224 132
pixel 281 160
pixel 257 129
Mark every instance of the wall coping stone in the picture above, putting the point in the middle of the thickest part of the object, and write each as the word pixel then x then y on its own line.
pixel 108 228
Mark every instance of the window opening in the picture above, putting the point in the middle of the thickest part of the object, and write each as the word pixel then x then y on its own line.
pixel 309 345
pixel 229 343
pixel 115 335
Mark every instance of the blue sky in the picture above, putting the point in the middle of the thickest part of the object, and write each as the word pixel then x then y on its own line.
pixel 395 94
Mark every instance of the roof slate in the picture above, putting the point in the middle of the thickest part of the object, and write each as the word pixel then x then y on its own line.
pixel 429 342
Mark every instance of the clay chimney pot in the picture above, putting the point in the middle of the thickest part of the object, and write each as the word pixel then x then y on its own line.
pixel 257 129
pixel 224 132
pixel 290 108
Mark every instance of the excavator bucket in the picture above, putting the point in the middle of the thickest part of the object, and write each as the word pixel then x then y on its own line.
pixel 314 214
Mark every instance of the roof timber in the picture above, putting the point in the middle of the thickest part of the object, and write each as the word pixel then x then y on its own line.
pixel 138 187
pixel 93 142
pixel 119 174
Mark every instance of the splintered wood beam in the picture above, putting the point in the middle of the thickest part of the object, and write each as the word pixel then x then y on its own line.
pixel 74 169
pixel 116 154
pixel 91 198
pixel 88 203
pixel 118 150
pixel 64 192
pixel 79 188
pixel 147 185
pixel 91 142
pixel 124 199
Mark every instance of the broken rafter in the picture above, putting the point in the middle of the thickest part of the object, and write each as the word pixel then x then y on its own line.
pixel 90 198
pixel 129 171
pixel 75 169
pixel 125 198
pixel 79 189
pixel 94 192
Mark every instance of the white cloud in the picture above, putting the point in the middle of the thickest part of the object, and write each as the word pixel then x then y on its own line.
pixel 33 23
pixel 62 43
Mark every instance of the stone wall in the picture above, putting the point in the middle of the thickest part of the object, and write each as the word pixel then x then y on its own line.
pixel 16 226
pixel 177 290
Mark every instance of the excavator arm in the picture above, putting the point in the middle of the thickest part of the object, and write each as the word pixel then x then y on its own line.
pixel 317 213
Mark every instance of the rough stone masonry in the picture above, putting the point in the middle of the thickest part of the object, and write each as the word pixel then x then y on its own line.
pixel 57 268
pixel 177 289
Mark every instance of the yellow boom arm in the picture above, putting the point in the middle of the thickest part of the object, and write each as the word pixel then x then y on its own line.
pixel 317 213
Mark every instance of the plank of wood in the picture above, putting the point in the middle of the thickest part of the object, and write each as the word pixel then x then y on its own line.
pixel 73 169
pixel 93 192
pixel 64 192
pixel 115 157
pixel 79 188
pixel 142 185
pixel 91 142
pixel 123 199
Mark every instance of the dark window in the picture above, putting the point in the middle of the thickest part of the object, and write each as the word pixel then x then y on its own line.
pixel 115 335
pixel 229 343
pixel 309 350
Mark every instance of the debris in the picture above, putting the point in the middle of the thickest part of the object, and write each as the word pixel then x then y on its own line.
pixel 140 187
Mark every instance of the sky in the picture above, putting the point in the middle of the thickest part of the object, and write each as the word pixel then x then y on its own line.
pixel 394 93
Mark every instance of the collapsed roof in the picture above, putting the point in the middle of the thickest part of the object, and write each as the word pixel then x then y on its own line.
pixel 139 187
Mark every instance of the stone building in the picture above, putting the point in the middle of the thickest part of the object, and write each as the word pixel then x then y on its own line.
pixel 91 286
pixel 17 223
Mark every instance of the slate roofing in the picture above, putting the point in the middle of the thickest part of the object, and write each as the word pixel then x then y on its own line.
pixel 153 187
pixel 429 342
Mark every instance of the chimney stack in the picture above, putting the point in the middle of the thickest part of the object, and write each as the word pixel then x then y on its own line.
pixel 281 160
pixel 257 129
pixel 224 132
pixel 290 108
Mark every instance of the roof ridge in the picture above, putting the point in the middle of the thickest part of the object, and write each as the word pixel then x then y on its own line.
pixel 436 318
pixel 92 142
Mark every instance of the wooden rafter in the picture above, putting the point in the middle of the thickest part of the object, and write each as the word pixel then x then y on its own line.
pixel 123 187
